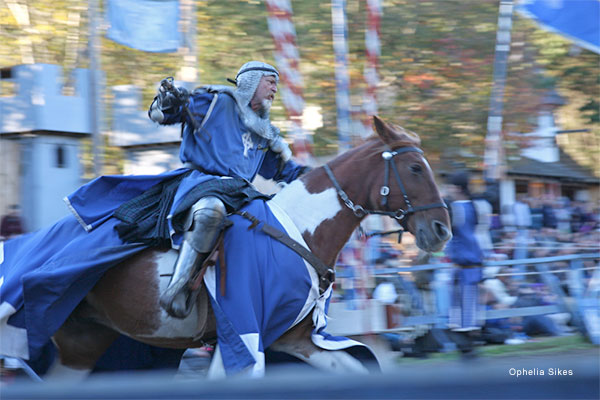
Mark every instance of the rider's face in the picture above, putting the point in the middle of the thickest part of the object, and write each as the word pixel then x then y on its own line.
pixel 264 94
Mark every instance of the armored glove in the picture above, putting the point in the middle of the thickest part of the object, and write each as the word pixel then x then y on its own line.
pixel 167 98
pixel 279 146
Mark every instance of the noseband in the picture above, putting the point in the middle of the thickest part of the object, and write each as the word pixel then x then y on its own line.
pixel 399 214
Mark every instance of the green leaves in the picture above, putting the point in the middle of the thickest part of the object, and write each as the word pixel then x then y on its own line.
pixel 435 65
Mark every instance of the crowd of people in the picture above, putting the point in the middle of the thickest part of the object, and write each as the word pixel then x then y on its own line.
pixel 530 228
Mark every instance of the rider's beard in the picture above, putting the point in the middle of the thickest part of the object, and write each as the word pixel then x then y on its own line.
pixel 265 107
pixel 267 103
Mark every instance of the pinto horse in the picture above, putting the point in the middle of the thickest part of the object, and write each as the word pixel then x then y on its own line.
pixel 387 174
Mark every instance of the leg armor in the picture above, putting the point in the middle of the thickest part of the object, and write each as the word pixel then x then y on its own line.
pixel 204 223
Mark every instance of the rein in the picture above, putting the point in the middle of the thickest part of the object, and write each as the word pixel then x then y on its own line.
pixel 398 214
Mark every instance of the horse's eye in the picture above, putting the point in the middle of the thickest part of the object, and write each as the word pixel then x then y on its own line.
pixel 416 168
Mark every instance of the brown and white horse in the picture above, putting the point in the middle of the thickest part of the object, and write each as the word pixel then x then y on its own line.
pixel 326 207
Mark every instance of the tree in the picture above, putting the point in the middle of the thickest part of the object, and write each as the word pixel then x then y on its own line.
pixel 435 65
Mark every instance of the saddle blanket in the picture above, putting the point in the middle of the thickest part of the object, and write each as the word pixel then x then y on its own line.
pixel 269 289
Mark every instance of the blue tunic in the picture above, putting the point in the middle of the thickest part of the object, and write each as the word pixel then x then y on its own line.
pixel 224 146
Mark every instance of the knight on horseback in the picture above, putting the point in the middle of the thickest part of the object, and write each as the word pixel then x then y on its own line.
pixel 227 138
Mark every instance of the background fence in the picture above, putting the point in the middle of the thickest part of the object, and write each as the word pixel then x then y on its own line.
pixel 581 302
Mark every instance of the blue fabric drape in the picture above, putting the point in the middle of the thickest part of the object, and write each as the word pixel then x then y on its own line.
pixel 145 25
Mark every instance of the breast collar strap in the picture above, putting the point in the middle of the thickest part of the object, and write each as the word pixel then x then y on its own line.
pixel 326 274
pixel 398 214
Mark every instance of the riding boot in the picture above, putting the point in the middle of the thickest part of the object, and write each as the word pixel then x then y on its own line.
pixel 205 221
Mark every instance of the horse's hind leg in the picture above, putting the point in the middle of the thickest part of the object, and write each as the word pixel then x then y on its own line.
pixel 337 361
pixel 297 343
pixel 80 342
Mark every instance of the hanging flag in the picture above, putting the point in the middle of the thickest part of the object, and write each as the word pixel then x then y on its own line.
pixel 577 20
pixel 146 25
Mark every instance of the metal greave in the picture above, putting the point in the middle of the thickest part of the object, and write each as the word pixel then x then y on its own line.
pixel 204 223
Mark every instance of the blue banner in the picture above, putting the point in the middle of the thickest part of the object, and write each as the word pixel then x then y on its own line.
pixel 577 20
pixel 146 25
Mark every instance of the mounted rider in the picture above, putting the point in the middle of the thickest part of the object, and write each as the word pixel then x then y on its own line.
pixel 227 138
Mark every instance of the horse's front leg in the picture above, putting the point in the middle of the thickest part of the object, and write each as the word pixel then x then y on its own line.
pixel 80 342
pixel 297 342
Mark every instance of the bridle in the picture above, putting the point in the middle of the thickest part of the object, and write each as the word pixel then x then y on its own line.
pixel 398 214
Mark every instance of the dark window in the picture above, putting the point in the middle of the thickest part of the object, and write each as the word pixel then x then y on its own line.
pixel 8 86
pixel 522 186
pixel 60 157
pixel 569 191
pixel 5 73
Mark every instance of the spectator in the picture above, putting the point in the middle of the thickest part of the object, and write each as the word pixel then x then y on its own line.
pixel 577 216
pixel 533 325
pixel 563 215
pixel 537 214
pixel 464 251
pixel 496 287
pixel 483 210
pixel 548 215
pixel 522 213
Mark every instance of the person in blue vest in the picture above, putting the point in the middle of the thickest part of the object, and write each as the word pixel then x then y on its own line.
pixel 464 251
pixel 227 139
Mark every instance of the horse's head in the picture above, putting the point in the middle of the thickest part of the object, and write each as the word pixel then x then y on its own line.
pixel 389 175
pixel 412 191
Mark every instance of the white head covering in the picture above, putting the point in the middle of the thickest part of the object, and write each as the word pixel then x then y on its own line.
pixel 248 78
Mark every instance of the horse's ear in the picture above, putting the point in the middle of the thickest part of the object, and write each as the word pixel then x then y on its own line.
pixel 394 133
pixel 384 131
